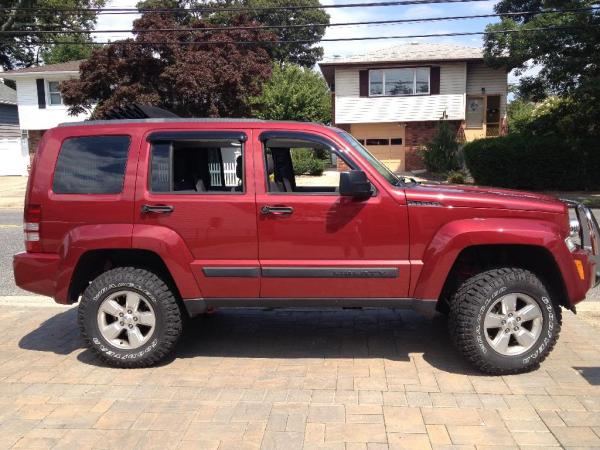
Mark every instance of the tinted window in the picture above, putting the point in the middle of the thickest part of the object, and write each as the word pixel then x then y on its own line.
pixel 91 165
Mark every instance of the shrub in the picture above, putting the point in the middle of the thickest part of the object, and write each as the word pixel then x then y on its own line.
pixel 456 177
pixel 306 163
pixel 441 153
pixel 535 162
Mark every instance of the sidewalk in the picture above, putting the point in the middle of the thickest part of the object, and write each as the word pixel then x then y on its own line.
pixel 12 191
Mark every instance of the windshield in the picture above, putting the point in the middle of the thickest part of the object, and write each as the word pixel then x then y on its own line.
pixel 374 162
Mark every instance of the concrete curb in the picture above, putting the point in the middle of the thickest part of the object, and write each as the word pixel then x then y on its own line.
pixel 588 306
pixel 36 301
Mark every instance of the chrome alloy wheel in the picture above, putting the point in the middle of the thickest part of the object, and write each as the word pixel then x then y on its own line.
pixel 126 319
pixel 513 324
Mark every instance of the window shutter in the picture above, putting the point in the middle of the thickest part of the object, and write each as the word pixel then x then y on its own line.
pixel 41 92
pixel 363 76
pixel 434 80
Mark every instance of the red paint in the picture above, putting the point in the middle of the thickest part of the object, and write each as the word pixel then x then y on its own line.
pixel 392 229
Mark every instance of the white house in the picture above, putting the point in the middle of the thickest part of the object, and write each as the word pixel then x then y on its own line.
pixel 393 99
pixel 13 156
pixel 39 100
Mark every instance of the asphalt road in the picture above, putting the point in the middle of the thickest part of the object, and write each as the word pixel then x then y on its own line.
pixel 11 242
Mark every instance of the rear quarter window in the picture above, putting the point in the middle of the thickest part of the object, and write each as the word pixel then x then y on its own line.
pixel 91 165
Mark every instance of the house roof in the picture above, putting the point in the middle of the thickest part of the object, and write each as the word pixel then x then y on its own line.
pixel 66 67
pixel 412 52
pixel 8 96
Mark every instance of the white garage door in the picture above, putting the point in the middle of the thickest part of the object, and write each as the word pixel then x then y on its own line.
pixel 13 157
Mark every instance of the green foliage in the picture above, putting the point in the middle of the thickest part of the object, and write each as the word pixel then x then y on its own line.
pixel 520 114
pixel 294 93
pixel 457 177
pixel 568 59
pixel 29 16
pixel 62 52
pixel 441 153
pixel 305 162
pixel 304 51
pixel 526 161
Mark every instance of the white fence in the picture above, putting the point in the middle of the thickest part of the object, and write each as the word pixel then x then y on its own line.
pixel 229 171
pixel 14 158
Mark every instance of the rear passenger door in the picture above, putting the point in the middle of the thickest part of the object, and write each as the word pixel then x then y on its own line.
pixel 196 183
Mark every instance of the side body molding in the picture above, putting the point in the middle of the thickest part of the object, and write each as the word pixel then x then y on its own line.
pixel 455 236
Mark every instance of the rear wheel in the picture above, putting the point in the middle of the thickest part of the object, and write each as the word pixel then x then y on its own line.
pixel 129 317
pixel 504 321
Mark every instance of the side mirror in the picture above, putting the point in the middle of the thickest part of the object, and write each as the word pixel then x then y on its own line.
pixel 354 183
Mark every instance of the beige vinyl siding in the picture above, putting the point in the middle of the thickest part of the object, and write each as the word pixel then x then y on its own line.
pixel 493 80
pixel 351 108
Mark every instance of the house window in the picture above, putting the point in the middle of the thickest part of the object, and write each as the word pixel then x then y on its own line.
pixel 54 97
pixel 396 141
pixel 399 82
pixel 378 141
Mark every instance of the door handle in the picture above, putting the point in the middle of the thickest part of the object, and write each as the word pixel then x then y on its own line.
pixel 276 210
pixel 157 209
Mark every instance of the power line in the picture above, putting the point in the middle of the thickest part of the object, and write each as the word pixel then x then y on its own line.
pixel 234 9
pixel 338 24
pixel 300 41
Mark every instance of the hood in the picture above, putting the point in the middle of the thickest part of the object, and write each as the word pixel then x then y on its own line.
pixel 484 197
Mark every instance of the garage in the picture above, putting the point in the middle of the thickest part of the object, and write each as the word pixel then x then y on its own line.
pixel 14 157
pixel 384 140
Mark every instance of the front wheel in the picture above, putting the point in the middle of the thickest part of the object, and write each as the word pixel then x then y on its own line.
pixel 503 321
pixel 129 317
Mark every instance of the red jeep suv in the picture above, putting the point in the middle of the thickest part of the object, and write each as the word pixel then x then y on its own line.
pixel 145 222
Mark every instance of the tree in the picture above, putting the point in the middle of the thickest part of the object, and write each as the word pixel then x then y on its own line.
pixel 64 50
pixel 567 57
pixel 21 44
pixel 304 51
pixel 294 93
pixel 183 71
pixel 440 155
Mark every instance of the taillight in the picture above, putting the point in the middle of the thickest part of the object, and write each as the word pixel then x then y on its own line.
pixel 31 228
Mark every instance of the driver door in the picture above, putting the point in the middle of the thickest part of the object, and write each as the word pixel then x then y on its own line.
pixel 314 243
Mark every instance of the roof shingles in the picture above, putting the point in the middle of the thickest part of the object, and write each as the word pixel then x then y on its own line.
pixel 70 66
pixel 416 51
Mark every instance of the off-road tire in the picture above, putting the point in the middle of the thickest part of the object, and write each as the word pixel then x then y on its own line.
pixel 168 325
pixel 470 304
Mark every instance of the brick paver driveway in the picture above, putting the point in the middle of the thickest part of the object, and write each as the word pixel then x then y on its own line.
pixel 291 379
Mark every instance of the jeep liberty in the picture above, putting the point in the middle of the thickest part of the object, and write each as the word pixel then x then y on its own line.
pixel 146 222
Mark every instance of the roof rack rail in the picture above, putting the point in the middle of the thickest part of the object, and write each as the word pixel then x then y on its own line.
pixel 136 111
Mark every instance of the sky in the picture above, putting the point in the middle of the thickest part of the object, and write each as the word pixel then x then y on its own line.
pixel 115 22
pixel 345 48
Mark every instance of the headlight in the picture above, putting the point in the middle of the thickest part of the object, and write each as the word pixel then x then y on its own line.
pixel 573 241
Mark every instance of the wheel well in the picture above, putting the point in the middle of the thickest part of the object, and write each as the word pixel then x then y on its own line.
pixel 94 262
pixel 473 260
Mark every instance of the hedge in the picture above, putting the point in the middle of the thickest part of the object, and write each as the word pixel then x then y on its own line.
pixel 522 161
pixel 306 162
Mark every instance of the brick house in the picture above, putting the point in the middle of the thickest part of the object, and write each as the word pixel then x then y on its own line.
pixel 39 100
pixel 392 99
